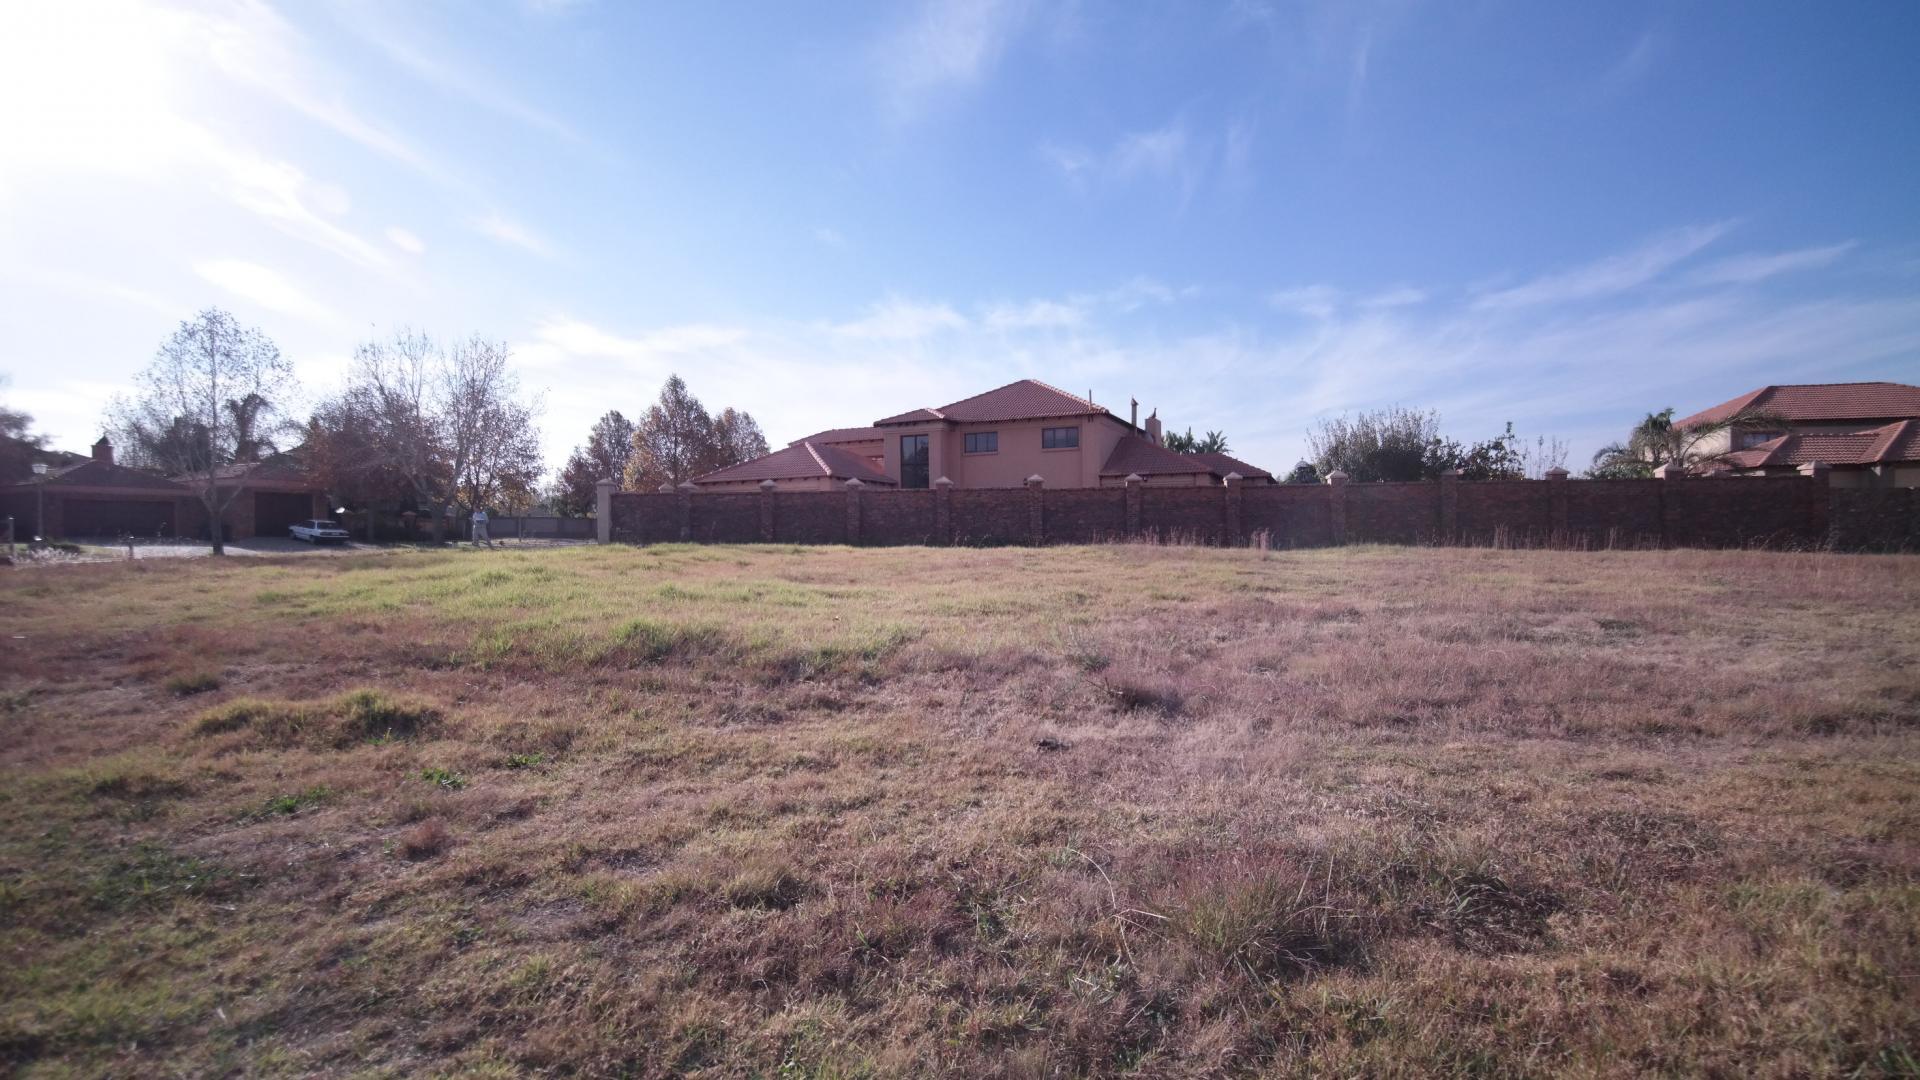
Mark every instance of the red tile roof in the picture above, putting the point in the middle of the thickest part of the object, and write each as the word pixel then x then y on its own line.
pixel 1028 399
pixel 838 436
pixel 98 474
pixel 803 460
pixel 1893 442
pixel 1819 401
pixel 1134 454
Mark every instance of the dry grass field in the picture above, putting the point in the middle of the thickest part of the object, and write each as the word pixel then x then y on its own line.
pixel 1064 812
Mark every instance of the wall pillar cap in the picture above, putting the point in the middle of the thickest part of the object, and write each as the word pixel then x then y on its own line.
pixel 688 486
pixel 768 485
pixel 1669 471
pixel 1134 478
pixel 1452 474
pixel 1815 469
pixel 1232 478
pixel 601 485
pixel 1557 473
pixel 1337 476
pixel 1036 480
pixel 665 488
pixel 943 482
pixel 855 484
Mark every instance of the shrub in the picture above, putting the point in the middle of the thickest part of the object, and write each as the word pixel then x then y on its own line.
pixel 446 778
pixel 425 840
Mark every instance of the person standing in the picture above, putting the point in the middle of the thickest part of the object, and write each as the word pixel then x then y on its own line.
pixel 480 528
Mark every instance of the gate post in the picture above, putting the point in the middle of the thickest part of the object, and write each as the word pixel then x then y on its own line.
pixel 1233 482
pixel 1820 525
pixel 1036 516
pixel 766 511
pixel 602 509
pixel 1135 485
pixel 1557 503
pixel 1337 505
pixel 943 512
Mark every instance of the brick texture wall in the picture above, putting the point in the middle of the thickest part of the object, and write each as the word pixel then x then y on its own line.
pixel 1779 511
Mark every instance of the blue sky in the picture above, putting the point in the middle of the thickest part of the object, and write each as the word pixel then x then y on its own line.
pixel 1247 214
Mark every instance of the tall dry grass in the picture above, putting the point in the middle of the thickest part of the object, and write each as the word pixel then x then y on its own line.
pixel 1134 810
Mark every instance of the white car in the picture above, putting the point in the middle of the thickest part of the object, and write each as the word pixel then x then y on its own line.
pixel 319 531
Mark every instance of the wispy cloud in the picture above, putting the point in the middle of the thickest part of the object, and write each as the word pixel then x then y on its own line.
pixel 1405 296
pixel 1614 274
pixel 1034 315
pixel 498 226
pixel 1313 301
pixel 1170 154
pixel 1632 67
pixel 945 45
pixel 560 339
pixel 405 240
pixel 1746 269
pixel 829 237
pixel 264 286
pixel 902 320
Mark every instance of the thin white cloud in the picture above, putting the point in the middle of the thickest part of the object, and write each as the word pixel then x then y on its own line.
pixel 264 286
pixel 1632 68
pixel 1171 154
pixel 560 339
pixel 829 237
pixel 1403 296
pixel 1313 301
pixel 497 226
pixel 1746 269
pixel 1034 315
pixel 945 45
pixel 902 320
pixel 1611 275
pixel 405 240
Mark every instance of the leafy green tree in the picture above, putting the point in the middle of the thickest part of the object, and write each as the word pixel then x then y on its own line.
pixel 604 457
pixel 1656 440
pixel 1213 442
pixel 1304 473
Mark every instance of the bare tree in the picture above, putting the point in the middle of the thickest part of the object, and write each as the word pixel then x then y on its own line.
pixel 208 409
pixel 448 421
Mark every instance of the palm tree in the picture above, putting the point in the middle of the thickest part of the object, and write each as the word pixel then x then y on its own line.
pixel 1657 440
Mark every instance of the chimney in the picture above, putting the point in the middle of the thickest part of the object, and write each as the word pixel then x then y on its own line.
pixel 1153 428
pixel 1135 418
pixel 103 451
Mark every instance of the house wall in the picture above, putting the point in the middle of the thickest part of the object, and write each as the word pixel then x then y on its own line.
pixel 1019 456
pixel 1735 511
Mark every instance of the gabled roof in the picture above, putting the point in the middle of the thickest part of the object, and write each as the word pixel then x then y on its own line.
pixel 94 473
pixel 1134 454
pixel 1893 442
pixel 1818 401
pixel 839 436
pixel 1028 399
pixel 802 461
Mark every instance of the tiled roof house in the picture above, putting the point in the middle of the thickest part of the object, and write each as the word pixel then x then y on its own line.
pixel 996 439
pixel 1868 432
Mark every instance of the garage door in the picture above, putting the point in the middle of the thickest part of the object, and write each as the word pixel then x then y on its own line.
pixel 273 511
pixel 119 517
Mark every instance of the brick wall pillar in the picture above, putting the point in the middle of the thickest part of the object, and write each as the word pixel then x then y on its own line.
pixel 1136 494
pixel 943 511
pixel 1036 510
pixel 767 488
pixel 1557 507
pixel 1820 502
pixel 1666 474
pixel 685 491
pixel 1233 482
pixel 602 510
pixel 1450 506
pixel 854 487
pixel 1337 505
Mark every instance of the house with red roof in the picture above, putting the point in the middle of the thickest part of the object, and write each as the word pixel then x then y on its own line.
pixel 996 439
pixel 1868 433
pixel 96 496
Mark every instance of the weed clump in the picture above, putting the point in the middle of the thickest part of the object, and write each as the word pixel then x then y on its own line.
pixel 425 840
pixel 355 717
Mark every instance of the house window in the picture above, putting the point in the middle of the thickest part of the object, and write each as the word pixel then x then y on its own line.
pixel 983 442
pixel 1743 440
pixel 1059 438
pixel 913 461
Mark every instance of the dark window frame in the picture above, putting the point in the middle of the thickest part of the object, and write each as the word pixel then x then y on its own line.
pixel 915 468
pixel 990 438
pixel 1060 438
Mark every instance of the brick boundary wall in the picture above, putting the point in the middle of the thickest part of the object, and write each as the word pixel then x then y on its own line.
pixel 1792 512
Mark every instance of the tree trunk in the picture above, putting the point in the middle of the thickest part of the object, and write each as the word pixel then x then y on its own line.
pixel 214 526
